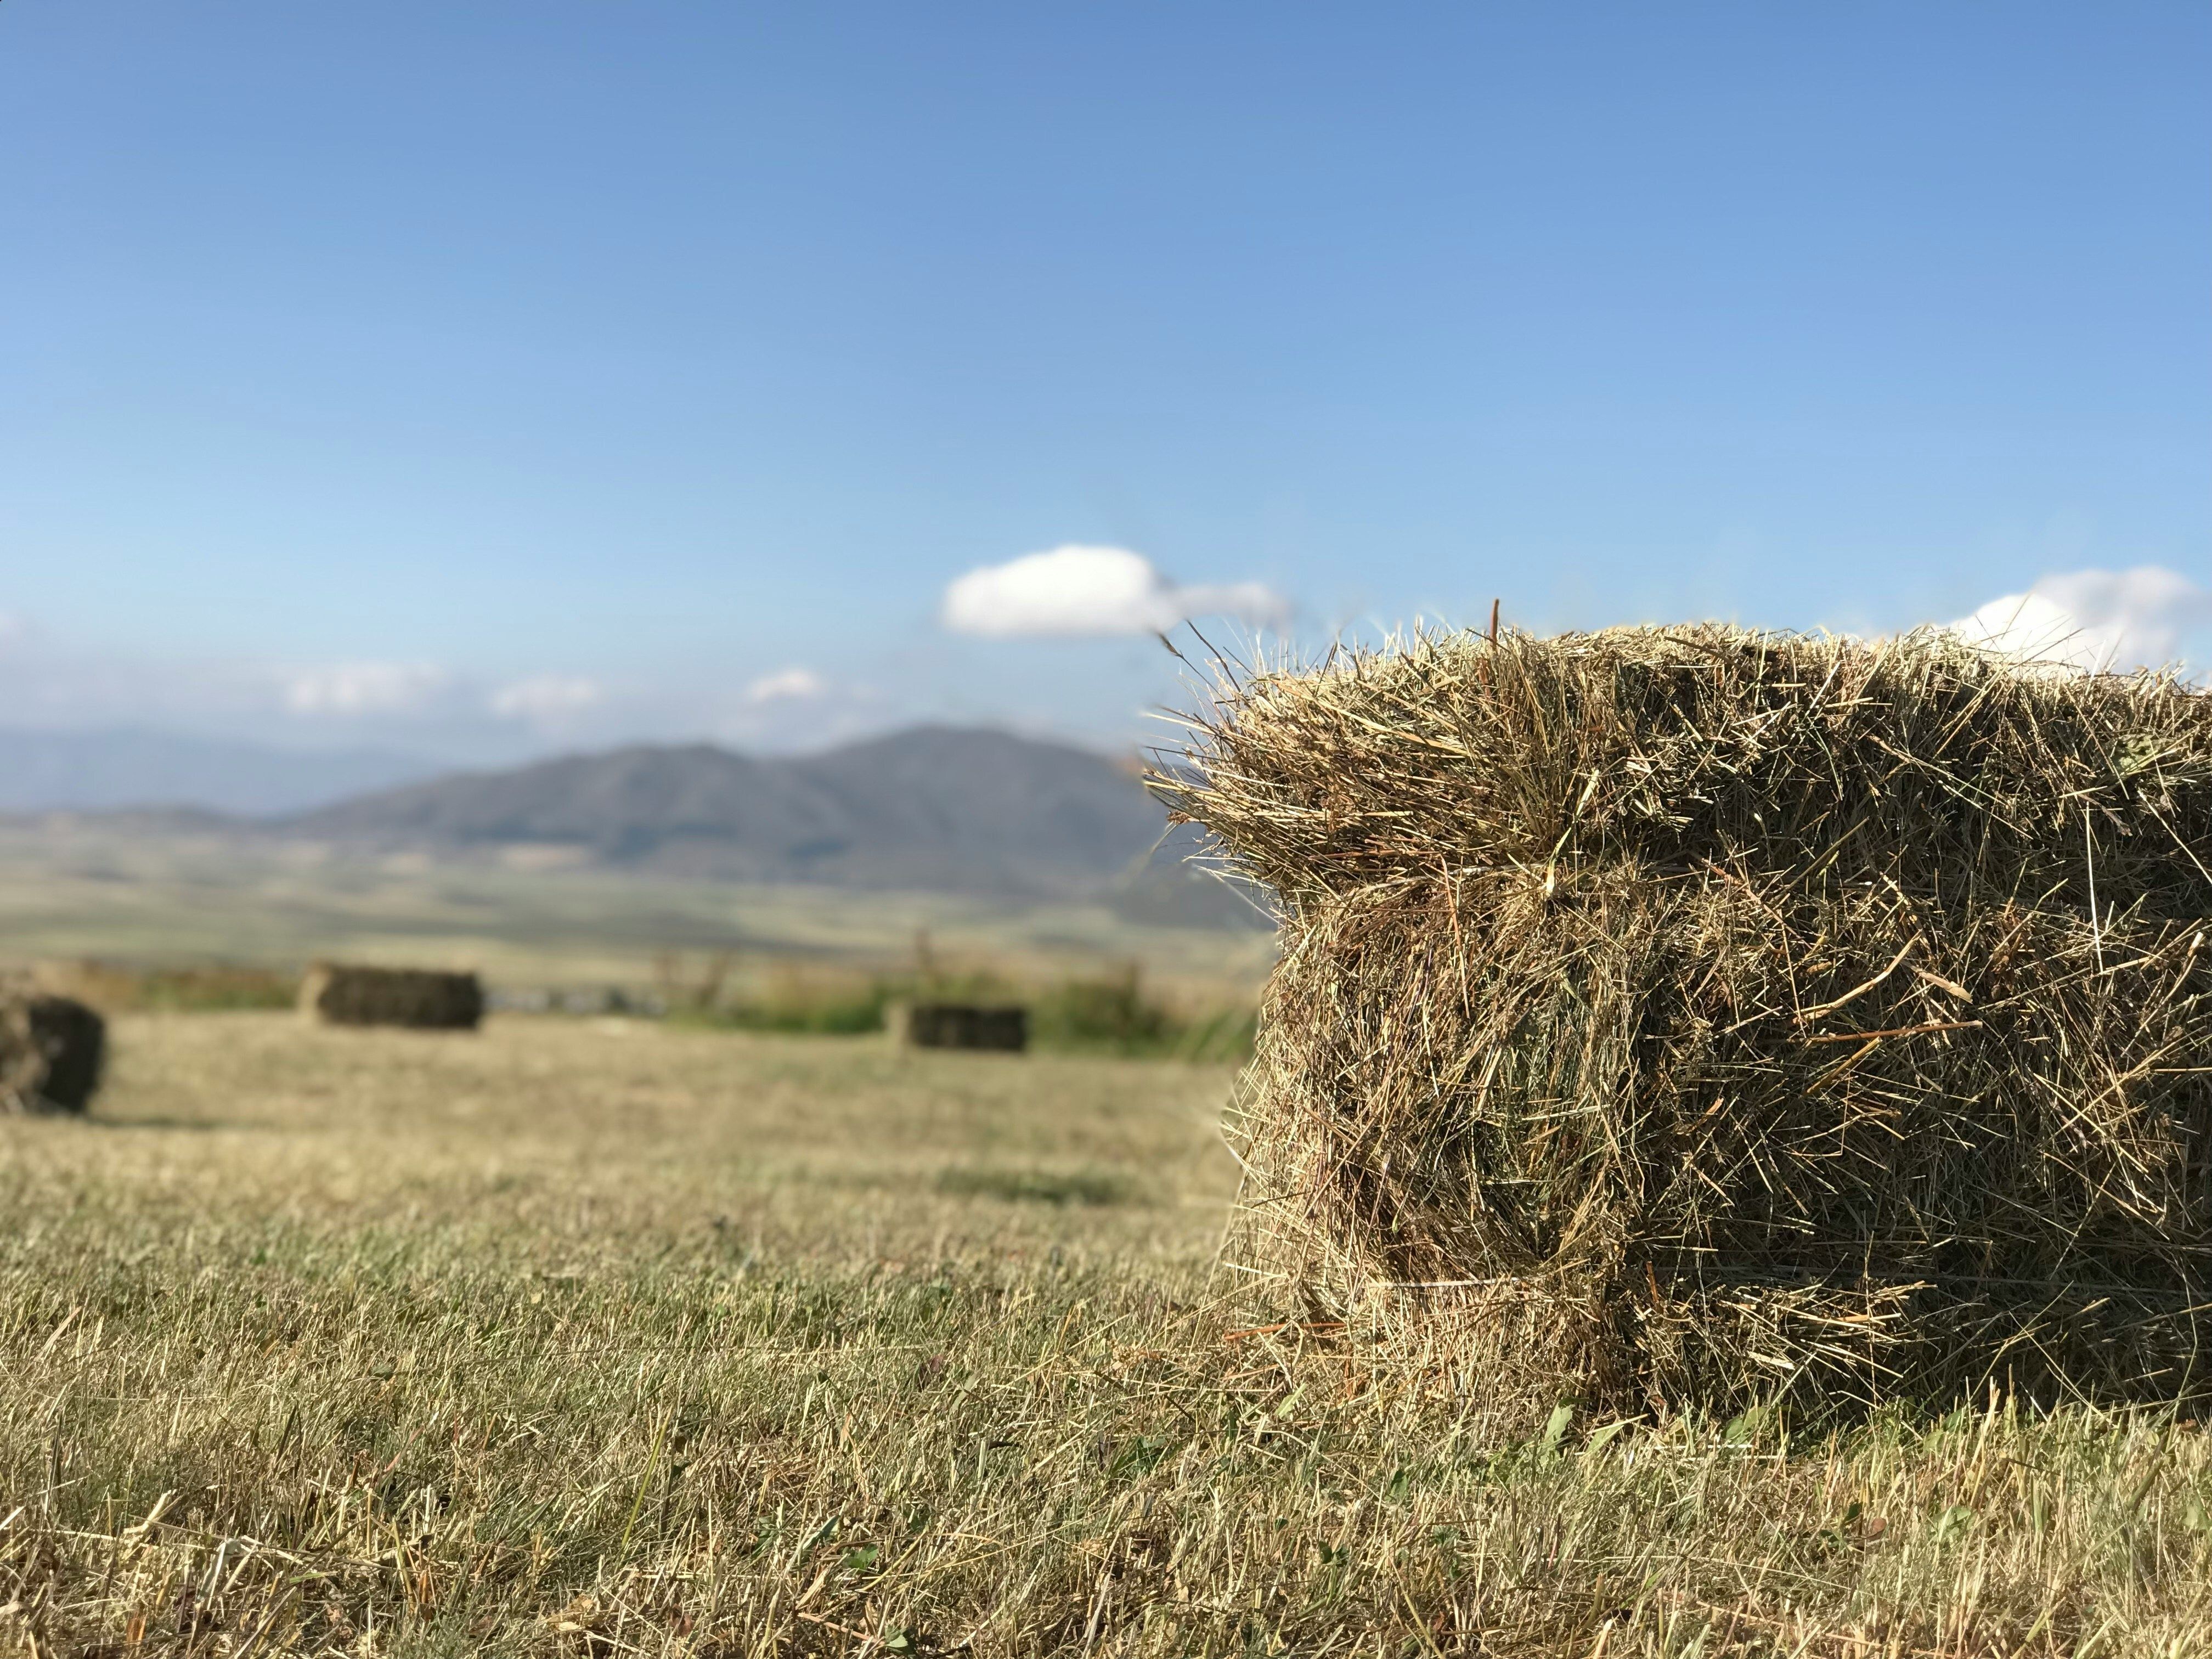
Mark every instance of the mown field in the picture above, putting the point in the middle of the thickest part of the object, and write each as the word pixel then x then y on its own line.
pixel 79 889
pixel 603 1338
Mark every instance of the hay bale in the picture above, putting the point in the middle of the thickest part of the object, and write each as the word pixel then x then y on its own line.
pixel 1679 1015
pixel 427 1000
pixel 1003 1027
pixel 51 1050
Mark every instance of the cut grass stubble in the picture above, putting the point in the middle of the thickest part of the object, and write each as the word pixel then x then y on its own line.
pixel 603 1338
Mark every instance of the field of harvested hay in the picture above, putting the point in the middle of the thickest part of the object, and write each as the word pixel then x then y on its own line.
pixel 606 1338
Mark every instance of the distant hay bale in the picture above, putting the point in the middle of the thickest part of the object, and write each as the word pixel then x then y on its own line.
pixel 960 1025
pixel 336 994
pixel 1690 1015
pixel 51 1050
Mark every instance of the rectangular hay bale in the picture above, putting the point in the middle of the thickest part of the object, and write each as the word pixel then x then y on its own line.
pixel 1696 1016
pixel 1004 1028
pixel 338 994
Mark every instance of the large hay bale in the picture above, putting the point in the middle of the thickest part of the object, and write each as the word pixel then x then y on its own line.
pixel 1674 1015
pixel 51 1050
pixel 427 1001
pixel 932 1024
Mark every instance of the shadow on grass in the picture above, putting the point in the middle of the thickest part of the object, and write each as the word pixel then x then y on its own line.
pixel 1040 1186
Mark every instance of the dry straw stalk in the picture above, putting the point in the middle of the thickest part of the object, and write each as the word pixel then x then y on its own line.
pixel 1691 1015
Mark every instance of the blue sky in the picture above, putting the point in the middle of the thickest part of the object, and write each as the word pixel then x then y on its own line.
pixel 482 377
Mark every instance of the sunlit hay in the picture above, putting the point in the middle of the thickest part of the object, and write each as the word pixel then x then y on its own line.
pixel 335 994
pixel 1690 1015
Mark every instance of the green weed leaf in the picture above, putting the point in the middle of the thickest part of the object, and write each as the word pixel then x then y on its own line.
pixel 1555 1429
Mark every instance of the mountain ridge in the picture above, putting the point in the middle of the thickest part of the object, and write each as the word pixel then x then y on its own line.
pixel 930 807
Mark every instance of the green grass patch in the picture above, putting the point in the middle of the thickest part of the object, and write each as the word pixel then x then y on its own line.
pixel 206 988
pixel 1110 1013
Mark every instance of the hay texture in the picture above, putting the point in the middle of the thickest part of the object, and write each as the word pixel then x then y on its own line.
pixel 339 995
pixel 1689 1015
pixel 51 1051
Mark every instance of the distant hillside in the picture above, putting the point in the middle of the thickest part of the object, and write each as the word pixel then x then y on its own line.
pixel 107 771
pixel 932 808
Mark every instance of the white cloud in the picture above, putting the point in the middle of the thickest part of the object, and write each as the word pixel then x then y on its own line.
pixel 787 686
pixel 547 698
pixel 798 709
pixel 354 689
pixel 2096 620
pixel 1094 591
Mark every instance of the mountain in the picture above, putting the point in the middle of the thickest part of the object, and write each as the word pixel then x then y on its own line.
pixel 931 808
pixel 123 768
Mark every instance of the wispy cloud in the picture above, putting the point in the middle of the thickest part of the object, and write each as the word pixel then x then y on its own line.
pixel 546 698
pixel 787 686
pixel 1072 590
pixel 349 690
pixel 799 708
pixel 2095 620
